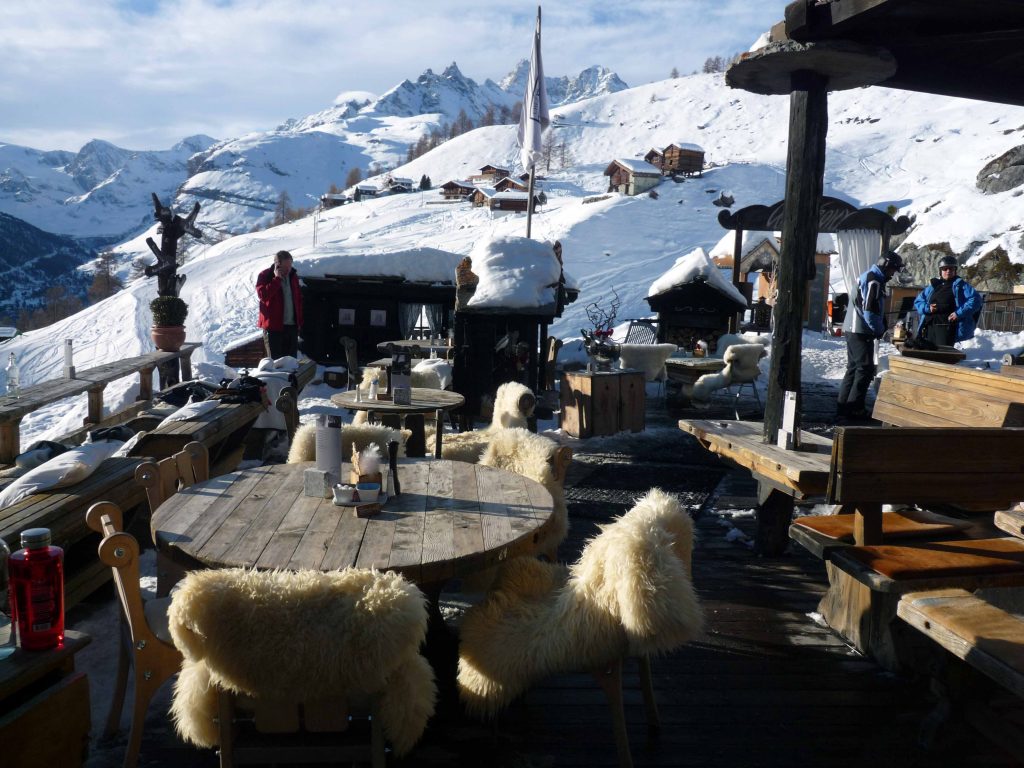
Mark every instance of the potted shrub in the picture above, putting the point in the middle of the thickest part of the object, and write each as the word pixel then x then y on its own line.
pixel 168 331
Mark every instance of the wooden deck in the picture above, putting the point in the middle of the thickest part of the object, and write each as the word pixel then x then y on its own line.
pixel 767 686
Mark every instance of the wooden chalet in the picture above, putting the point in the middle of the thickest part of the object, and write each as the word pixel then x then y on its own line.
pixel 372 308
pixel 333 200
pixel 632 177
pixel 508 200
pixel 398 184
pixel 457 190
pixel 366 190
pixel 497 344
pixel 655 157
pixel 683 158
pixel 509 183
pixel 694 311
pixel 490 174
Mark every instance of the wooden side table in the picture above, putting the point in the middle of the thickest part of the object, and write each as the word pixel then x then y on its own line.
pixel 44 706
pixel 602 403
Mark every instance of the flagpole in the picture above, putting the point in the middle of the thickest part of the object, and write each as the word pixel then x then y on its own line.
pixel 532 122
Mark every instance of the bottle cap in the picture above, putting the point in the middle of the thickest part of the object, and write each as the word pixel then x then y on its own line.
pixel 35 538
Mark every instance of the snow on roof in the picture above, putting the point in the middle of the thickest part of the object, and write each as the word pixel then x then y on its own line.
pixel 367 188
pixel 510 194
pixel 686 145
pixel 459 183
pixel 638 166
pixel 515 273
pixel 418 265
pixel 690 267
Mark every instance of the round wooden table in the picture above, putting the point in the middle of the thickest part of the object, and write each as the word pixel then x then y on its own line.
pixel 451 519
pixel 423 401
pixel 425 346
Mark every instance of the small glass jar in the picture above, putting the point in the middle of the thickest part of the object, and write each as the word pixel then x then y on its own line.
pixel 37 591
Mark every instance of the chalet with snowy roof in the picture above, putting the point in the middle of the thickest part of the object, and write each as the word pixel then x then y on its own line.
pixel 365 190
pixel 509 183
pixel 655 158
pixel 398 184
pixel 333 200
pixel 509 200
pixel 683 158
pixel 508 290
pixel 694 300
pixel 632 177
pixel 490 174
pixel 457 190
pixel 373 298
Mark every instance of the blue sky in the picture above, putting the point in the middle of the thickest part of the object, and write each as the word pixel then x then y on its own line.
pixel 144 74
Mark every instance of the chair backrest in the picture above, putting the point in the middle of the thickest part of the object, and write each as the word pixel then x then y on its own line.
pixel 638 571
pixel 641 332
pixel 648 358
pixel 120 551
pixel 163 478
pixel 347 633
pixel 514 404
pixel 741 362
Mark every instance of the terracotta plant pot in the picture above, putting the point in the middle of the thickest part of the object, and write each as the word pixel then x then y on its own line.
pixel 168 338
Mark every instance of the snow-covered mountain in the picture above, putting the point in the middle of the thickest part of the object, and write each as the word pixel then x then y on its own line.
pixel 592 81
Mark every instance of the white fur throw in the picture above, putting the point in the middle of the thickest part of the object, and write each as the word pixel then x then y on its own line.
pixel 629 593
pixel 530 455
pixel 649 358
pixel 303 447
pixel 514 404
pixel 741 365
pixel 301 636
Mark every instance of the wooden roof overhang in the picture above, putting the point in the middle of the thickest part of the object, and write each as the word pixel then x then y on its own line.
pixel 391 286
pixel 965 48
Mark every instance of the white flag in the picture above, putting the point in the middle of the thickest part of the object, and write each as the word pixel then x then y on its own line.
pixel 534 118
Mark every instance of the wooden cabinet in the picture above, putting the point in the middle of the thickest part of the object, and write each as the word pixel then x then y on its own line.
pixel 602 403
pixel 44 706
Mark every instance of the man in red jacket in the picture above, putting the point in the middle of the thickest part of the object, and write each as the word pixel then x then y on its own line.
pixel 280 307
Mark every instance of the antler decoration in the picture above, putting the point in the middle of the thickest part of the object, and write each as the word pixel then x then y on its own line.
pixel 603 320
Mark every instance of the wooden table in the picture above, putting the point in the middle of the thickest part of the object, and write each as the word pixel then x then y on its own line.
pixel 783 476
pixel 686 370
pixel 451 518
pixel 423 401
pixel 950 355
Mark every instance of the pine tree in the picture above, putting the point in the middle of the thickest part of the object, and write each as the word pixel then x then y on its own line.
pixel 105 281
pixel 425 182
pixel 674 73
pixel 283 208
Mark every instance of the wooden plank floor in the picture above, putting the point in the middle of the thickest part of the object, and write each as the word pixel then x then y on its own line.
pixel 766 686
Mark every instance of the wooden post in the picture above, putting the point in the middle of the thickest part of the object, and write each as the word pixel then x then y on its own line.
pixel 186 366
pixel 10 441
pixel 736 319
pixel 529 200
pixel 95 414
pixel 145 383
pixel 805 169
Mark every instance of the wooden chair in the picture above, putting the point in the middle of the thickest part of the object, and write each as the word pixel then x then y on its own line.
pixel 146 643
pixel 629 594
pixel 352 641
pixel 162 479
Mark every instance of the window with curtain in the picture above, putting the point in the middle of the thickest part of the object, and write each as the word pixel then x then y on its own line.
pixel 408 314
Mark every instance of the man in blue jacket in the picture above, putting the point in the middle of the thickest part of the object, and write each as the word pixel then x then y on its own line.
pixel 868 325
pixel 949 306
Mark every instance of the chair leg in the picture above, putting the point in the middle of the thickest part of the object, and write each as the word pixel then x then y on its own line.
pixel 610 680
pixel 377 754
pixel 647 687
pixel 144 690
pixel 121 682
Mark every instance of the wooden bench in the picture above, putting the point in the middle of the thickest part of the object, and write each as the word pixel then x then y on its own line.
pixel 222 430
pixel 984 629
pixel 867 580
pixel 62 510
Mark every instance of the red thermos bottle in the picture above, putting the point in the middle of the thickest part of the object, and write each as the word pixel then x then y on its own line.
pixel 37 591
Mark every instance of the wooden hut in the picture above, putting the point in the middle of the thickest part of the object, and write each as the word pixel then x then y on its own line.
pixel 371 304
pixel 457 190
pixel 683 158
pixel 655 157
pixel 631 177
pixel 694 301
pixel 490 174
pixel 509 183
pixel 499 331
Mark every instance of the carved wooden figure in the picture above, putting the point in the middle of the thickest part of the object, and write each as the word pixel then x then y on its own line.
pixel 172 228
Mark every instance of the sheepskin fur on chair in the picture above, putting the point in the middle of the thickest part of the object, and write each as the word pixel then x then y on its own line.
pixel 741 366
pixel 303 446
pixel 301 636
pixel 538 458
pixel 629 594
pixel 514 404
pixel 425 379
pixel 649 358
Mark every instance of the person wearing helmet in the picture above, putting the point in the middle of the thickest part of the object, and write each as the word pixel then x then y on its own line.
pixel 868 325
pixel 949 306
